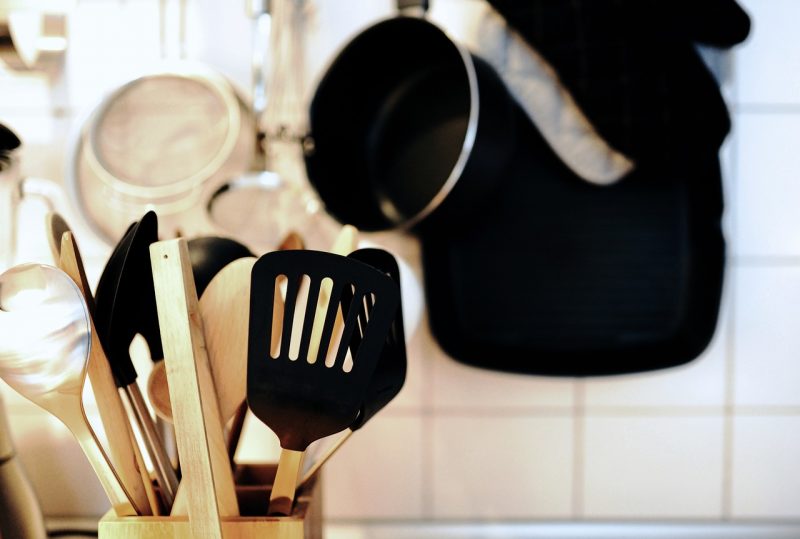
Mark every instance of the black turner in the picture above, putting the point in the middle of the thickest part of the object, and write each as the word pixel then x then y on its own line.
pixel 390 372
pixel 303 399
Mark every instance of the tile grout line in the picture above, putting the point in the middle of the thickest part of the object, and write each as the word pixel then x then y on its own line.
pixel 769 261
pixel 578 449
pixel 765 108
pixel 730 352
pixel 728 416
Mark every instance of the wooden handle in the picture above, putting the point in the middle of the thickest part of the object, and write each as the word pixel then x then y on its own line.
pixel 120 499
pixel 319 458
pixel 282 496
pixel 198 430
pixel 115 420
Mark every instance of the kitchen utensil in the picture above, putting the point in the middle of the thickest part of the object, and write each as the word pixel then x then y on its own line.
pixel 225 310
pixel 125 306
pixel 344 244
pixel 632 278
pixel 390 372
pixel 304 398
pixel 20 514
pixel 259 207
pixel 207 474
pixel 399 135
pixel 56 227
pixel 346 241
pixel 124 451
pixel 210 254
pixel 44 354
pixel 292 242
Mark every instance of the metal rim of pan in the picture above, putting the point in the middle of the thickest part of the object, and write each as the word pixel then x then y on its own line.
pixel 466 146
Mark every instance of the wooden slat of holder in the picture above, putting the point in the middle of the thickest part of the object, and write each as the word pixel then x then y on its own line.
pixel 253 486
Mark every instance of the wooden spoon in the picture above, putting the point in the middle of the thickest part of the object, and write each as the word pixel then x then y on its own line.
pixel 125 453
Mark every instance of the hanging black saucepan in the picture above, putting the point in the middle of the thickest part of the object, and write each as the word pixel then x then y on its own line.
pixel 407 124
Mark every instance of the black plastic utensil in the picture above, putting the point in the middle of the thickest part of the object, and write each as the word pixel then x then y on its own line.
pixel 125 307
pixel 303 399
pixel 209 254
pixel 390 372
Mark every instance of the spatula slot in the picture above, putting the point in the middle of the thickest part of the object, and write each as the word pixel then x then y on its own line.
pixel 292 292
pixel 319 318
pixel 279 291
pixel 311 287
pixel 301 322
pixel 350 328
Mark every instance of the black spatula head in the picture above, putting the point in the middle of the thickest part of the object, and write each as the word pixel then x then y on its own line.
pixel 125 299
pixel 303 401
pixel 390 372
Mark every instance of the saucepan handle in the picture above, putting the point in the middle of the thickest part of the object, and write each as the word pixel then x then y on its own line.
pixel 413 7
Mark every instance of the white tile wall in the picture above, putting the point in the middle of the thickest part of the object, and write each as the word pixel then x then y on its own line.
pixel 767 165
pixel 492 467
pixel 379 473
pixel 716 439
pixel 766 337
pixel 766 478
pixel 653 467
pixel 768 67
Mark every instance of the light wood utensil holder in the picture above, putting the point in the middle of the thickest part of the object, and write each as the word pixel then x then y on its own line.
pixel 253 487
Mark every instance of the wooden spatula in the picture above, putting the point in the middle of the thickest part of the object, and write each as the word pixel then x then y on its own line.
pixel 305 398
pixel 195 408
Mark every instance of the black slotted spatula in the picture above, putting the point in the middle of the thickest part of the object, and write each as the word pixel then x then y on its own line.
pixel 390 372
pixel 303 399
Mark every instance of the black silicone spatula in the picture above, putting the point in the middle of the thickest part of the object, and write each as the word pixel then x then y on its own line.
pixel 209 254
pixel 390 372
pixel 304 398
pixel 125 307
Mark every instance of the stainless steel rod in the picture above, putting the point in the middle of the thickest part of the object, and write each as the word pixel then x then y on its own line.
pixel 165 475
